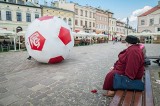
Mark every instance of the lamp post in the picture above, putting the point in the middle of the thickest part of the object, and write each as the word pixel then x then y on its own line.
pixel 127 25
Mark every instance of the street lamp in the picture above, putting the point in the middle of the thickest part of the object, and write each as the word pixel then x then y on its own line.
pixel 127 25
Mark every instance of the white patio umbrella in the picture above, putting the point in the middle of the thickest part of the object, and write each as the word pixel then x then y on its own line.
pixel 5 32
pixel 144 34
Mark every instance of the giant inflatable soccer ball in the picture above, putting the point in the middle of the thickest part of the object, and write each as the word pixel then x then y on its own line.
pixel 49 39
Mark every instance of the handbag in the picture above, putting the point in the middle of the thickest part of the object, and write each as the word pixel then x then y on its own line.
pixel 121 82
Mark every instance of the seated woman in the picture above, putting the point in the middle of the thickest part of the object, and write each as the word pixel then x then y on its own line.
pixel 130 63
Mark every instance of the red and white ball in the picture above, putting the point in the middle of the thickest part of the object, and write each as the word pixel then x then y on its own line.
pixel 49 39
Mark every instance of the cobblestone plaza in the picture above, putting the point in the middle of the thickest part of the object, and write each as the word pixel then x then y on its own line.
pixel 69 83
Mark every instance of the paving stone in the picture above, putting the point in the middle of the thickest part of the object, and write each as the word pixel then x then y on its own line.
pixel 30 84
pixel 6 94
pixel 3 90
pixel 23 92
pixel 8 100
pixel 2 79
pixel 47 81
pixel 2 74
pixel 37 87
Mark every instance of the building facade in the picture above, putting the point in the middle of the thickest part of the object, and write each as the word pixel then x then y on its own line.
pixel 150 20
pixel 102 19
pixel 17 15
pixel 112 28
pixel 66 15
pixel 84 15
pixel 85 18
pixel 120 28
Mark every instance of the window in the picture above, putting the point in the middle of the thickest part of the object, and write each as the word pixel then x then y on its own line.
pixel 81 23
pixel 20 2
pixel 0 15
pixel 90 14
pixel 81 12
pixel 12 1
pixel 93 24
pixel 151 22
pixel 85 13
pixel 158 29
pixel 142 22
pixel 76 22
pixel 97 26
pixel 85 23
pixel 65 20
pixel 19 16
pixel 69 21
pixel 8 16
pixel 90 24
pixel 28 17
pixel 36 16
pixel 93 15
pixel 76 10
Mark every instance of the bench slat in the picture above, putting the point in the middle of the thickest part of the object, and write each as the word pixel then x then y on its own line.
pixel 138 99
pixel 153 57
pixel 148 90
pixel 128 98
pixel 117 98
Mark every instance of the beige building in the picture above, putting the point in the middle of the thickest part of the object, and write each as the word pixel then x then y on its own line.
pixel 84 15
pixel 120 28
pixel 150 20
pixel 85 18
pixel 102 19
pixel 66 15
pixel 16 15
pixel 112 28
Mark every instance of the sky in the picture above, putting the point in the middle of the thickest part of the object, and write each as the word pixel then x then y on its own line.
pixel 121 8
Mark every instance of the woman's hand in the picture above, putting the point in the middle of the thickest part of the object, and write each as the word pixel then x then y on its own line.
pixel 111 68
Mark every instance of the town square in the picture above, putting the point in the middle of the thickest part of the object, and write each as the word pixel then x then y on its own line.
pixel 63 53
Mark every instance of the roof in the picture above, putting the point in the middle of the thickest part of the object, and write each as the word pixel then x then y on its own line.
pixel 150 11
pixel 56 8
pixel 26 5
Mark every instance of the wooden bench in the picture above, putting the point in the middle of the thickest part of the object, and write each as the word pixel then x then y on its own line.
pixel 135 98
pixel 153 57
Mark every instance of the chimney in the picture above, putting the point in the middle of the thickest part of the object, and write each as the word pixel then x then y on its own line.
pixel 52 4
pixel 45 3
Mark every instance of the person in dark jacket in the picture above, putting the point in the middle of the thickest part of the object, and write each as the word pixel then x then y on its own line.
pixel 130 63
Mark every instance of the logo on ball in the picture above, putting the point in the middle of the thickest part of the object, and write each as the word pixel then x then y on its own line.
pixel 36 41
